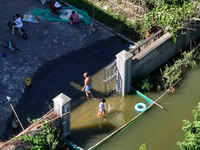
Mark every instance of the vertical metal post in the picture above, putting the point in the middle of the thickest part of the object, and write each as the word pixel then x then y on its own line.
pixel 105 81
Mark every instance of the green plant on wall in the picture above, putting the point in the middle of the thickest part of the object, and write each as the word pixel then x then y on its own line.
pixel 173 73
pixel 45 139
pixel 146 85
pixel 192 132
pixel 143 83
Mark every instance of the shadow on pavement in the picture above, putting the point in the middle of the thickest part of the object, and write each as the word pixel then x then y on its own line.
pixel 55 77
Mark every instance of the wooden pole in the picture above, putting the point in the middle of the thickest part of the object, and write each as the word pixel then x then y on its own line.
pixel 167 90
pixel 26 130
pixel 54 118
pixel 115 132
pixel 145 97
pixel 16 116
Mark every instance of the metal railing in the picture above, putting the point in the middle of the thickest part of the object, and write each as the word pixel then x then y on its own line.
pixel 109 78
pixel 110 71
pixel 146 42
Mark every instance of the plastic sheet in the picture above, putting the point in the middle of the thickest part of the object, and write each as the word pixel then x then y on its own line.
pixel 46 13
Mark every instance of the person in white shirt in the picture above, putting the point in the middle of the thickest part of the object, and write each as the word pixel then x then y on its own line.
pixel 102 106
pixel 18 23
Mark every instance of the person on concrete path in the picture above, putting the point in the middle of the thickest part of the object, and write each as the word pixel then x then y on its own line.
pixel 56 8
pixel 102 109
pixel 74 18
pixel 87 85
pixel 18 23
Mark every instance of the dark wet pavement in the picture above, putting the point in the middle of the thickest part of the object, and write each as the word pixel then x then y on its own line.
pixel 55 77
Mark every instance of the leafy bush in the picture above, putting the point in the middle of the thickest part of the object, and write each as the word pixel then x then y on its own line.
pixel 143 83
pixel 173 73
pixel 154 81
pixel 171 14
pixel 192 132
pixel 136 25
pixel 45 139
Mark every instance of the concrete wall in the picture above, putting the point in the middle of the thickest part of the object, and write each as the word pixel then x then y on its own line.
pixel 161 50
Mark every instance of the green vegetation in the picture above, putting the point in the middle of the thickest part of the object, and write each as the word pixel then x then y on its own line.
pixel 173 73
pixel 171 14
pixel 143 147
pixel 192 132
pixel 158 81
pixel 45 139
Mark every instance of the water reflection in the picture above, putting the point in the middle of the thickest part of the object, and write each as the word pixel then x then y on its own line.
pixel 87 128
pixel 161 129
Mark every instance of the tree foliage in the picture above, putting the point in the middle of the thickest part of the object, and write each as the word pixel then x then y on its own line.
pixel 172 15
pixel 192 132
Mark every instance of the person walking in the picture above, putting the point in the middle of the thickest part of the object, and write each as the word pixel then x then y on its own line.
pixel 102 109
pixel 87 85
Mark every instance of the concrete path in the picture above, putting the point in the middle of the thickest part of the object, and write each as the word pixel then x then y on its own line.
pixel 38 49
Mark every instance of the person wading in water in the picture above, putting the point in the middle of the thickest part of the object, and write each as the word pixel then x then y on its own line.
pixel 88 85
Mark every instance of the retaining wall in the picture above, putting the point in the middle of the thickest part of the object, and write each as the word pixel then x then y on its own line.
pixel 161 50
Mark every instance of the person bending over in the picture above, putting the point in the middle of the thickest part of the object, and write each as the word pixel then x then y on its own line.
pixel 56 8
pixel 74 18
pixel 17 23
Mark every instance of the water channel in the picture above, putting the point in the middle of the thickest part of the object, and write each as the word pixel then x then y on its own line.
pixel 159 129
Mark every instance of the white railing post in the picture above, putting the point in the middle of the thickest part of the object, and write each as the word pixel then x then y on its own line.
pixel 62 104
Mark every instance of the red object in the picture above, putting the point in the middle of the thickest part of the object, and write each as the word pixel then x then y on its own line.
pixel 54 8
pixel 99 113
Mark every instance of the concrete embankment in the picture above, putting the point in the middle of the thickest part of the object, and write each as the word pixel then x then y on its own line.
pixel 162 49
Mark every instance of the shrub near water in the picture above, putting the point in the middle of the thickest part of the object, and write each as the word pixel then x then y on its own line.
pixel 192 132
pixel 171 73
pixel 45 139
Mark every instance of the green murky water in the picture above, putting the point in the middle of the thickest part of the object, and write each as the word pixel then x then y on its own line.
pixel 159 129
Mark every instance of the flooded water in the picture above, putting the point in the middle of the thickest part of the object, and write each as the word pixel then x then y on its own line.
pixel 160 129
pixel 87 128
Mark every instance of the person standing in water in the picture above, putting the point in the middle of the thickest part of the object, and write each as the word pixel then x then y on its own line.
pixel 87 85
pixel 102 106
